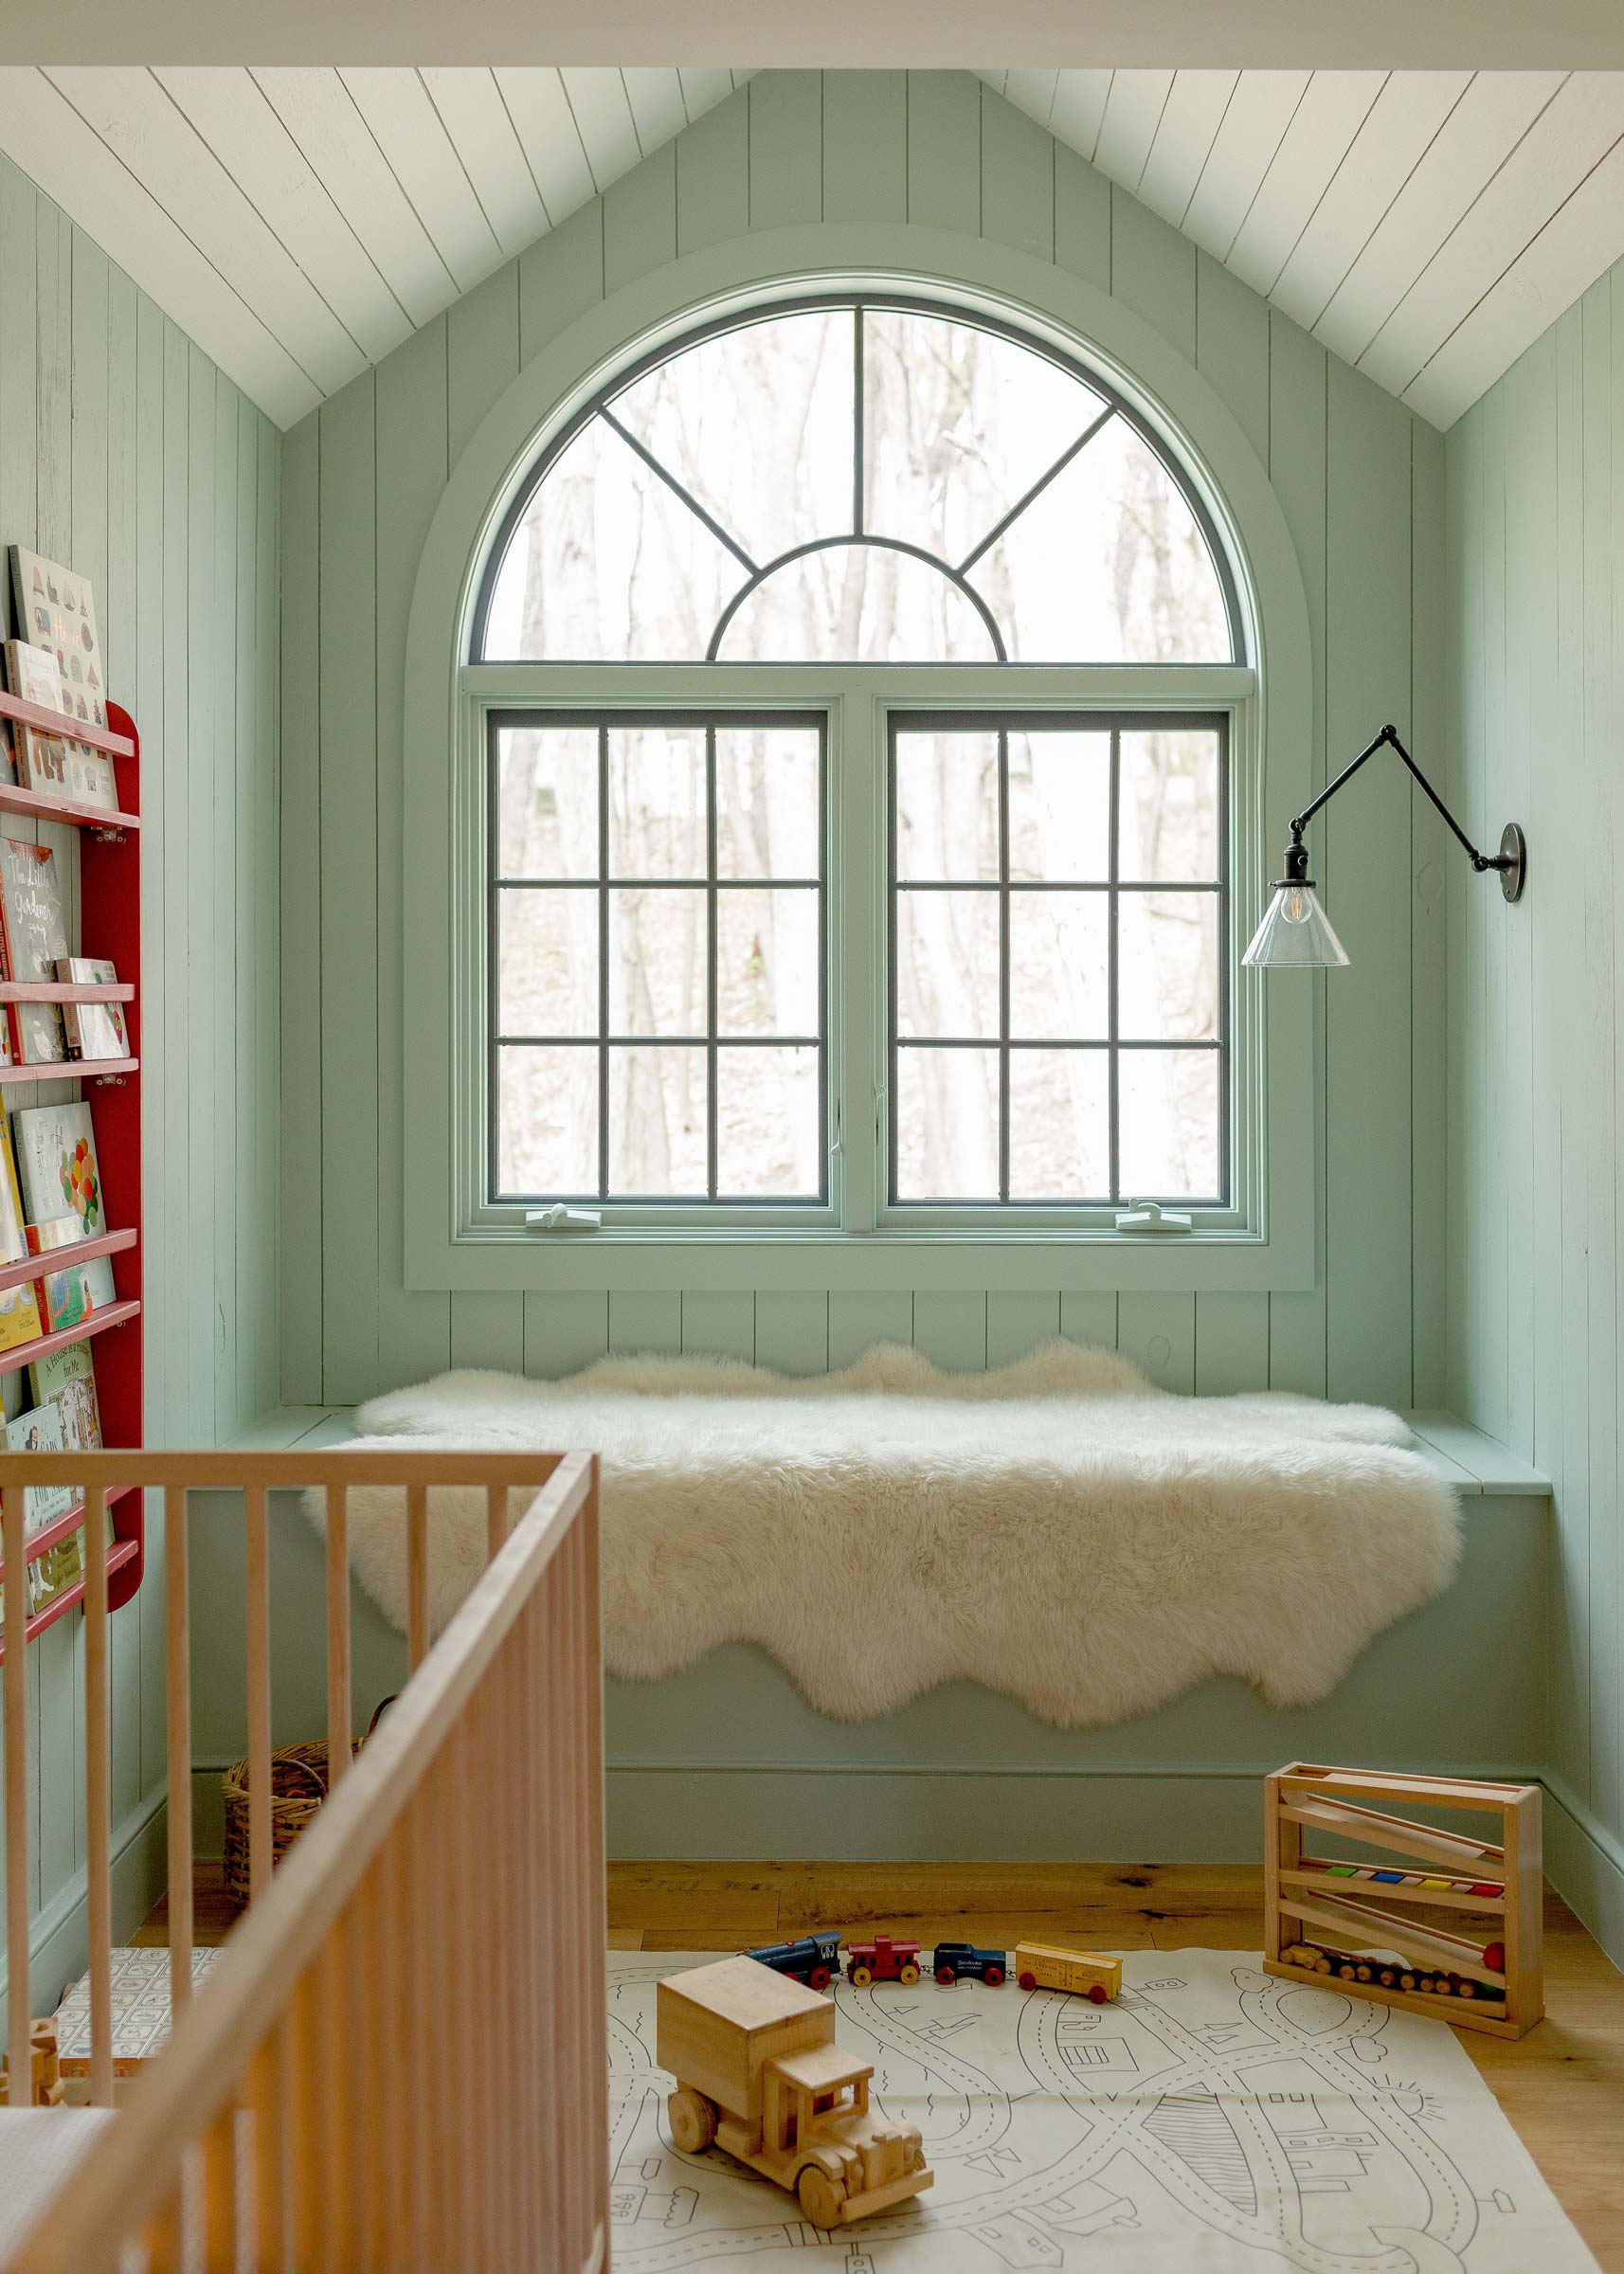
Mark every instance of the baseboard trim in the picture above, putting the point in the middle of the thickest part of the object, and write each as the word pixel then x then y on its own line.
pixel 845 1813
pixel 59 1939
pixel 1585 1864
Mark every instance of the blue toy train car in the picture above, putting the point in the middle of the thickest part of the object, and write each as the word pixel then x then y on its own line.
pixel 815 1959
pixel 954 1961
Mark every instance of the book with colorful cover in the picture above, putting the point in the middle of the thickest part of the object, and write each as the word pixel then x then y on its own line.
pixel 60 1172
pixel 19 1309
pixel 60 1567
pixel 33 675
pixel 56 611
pixel 95 1030
pixel 32 938
pixel 66 1379
pixel 41 1431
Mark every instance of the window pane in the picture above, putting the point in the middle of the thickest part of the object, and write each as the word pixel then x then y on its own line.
pixel 656 802
pixel 947 807
pixel 766 1123
pixel 1059 975
pixel 547 802
pixel 1170 806
pixel 1060 1124
pixel 608 561
pixel 547 963
pixel 1168 1104
pixel 857 603
pixel 958 422
pixel 766 963
pixel 768 818
pixel 1168 976
pixel 658 1107
pixel 547 1121
pixel 657 952
pixel 1144 590
pixel 757 424
pixel 1059 807
pixel 946 1125
pixel 947 964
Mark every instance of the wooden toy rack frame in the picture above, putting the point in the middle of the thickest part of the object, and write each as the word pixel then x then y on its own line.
pixel 1305 1899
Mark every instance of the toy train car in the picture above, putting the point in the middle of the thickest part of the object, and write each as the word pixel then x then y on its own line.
pixel 814 1959
pixel 952 1961
pixel 1358 1967
pixel 882 1960
pixel 1085 1972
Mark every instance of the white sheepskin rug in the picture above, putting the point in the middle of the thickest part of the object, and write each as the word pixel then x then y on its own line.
pixel 1057 1529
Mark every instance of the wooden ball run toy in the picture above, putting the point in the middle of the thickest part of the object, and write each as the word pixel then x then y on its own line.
pixel 1465 1940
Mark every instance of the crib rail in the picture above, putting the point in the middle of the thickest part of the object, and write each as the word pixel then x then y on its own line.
pixel 402 2060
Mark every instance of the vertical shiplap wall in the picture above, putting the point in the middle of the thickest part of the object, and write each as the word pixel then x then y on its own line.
pixel 1535 484
pixel 125 451
pixel 1360 481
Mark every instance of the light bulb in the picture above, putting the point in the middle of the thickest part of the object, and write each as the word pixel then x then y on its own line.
pixel 1298 906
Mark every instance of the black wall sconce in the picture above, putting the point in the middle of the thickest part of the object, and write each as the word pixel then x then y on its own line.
pixel 1295 929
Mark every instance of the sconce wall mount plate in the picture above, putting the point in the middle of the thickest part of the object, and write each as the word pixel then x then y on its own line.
pixel 1514 861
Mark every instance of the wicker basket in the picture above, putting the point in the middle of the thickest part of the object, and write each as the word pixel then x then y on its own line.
pixel 298 1786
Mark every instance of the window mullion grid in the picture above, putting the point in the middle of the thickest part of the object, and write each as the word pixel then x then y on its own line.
pixel 1112 976
pixel 857 468
pixel 711 909
pixel 602 961
pixel 1003 965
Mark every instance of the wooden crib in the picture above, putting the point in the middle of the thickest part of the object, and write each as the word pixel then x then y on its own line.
pixel 400 2060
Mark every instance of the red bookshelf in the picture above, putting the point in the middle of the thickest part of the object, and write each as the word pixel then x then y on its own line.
pixel 110 904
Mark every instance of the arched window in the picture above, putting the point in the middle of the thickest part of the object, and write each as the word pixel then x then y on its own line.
pixel 754 956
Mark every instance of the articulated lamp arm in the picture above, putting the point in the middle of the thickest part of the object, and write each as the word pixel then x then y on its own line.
pixel 1511 859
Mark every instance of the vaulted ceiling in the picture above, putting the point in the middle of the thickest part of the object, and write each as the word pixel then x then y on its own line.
pixel 299 222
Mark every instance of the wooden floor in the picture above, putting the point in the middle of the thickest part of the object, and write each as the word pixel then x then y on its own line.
pixel 1562 2085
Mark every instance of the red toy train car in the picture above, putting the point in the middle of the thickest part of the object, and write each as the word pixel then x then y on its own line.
pixel 882 1960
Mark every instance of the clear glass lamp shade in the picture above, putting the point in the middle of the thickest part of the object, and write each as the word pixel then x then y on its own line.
pixel 1295 930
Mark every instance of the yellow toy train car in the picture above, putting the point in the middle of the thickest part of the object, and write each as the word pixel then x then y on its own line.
pixel 1040 1966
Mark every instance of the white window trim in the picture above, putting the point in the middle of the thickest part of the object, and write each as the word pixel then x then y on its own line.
pixel 452 1239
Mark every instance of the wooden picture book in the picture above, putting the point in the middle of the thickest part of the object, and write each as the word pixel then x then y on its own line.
pixel 60 1173
pixel 95 1030
pixel 67 1380
pixel 32 938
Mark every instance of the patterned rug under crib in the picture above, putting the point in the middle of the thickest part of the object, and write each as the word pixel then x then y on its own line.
pixel 1212 2120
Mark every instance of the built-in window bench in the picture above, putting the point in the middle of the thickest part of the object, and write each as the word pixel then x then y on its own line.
pixel 728 1760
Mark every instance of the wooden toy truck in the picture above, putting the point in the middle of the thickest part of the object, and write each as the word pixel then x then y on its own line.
pixel 1040 1966
pixel 758 2071
pixel 1467 1930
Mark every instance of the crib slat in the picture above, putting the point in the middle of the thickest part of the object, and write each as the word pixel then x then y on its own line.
pixel 265 2100
pixel 18 2056
pixel 496 1519
pixel 98 1799
pixel 258 1618
pixel 219 2192
pixel 417 1575
pixel 177 1683
pixel 337 1635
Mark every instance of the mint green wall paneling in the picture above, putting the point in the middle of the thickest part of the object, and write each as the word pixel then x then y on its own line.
pixel 1231 1343
pixel 865 146
pixel 1464 698
pixel 225 1320
pixel 713 176
pixel 639 220
pixel 300 954
pixel 1153 269
pixel 1088 1317
pixel 950 1329
pixel 350 1098
pixel 721 1325
pixel 53 381
pixel 1297 444
pixel 204 1045
pixel 265 1214
pixel 1158 1332
pixel 785 148
pixel 1082 218
pixel 243 868
pixel 1017 178
pixel 1486 939
pixel 561 276
pixel 1369 834
pixel 16 366
pixel 414 1324
pixel 639 1323
pixel 1431 849
pixel 856 1322
pixel 488 1330
pixel 792 1332
pixel 1231 346
pixel 1017 1324
pixel 481 353
pixel 178 877
pixel 943 140
pixel 564 1332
